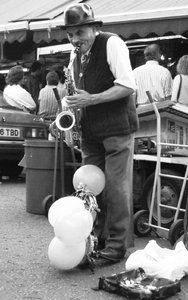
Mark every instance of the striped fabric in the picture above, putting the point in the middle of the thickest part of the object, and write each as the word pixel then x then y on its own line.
pixel 154 78
pixel 47 102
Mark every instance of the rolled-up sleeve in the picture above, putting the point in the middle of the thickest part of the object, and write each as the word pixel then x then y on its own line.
pixel 119 62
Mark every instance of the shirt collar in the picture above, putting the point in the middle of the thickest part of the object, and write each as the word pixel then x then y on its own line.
pixel 86 53
pixel 152 62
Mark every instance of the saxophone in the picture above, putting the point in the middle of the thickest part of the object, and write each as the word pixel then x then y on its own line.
pixel 68 120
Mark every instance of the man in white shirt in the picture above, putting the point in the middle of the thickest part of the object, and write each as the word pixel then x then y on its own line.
pixel 152 77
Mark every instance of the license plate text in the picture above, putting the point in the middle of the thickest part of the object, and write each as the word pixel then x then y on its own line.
pixel 9 132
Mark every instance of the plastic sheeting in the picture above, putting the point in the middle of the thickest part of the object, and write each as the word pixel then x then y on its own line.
pixel 160 262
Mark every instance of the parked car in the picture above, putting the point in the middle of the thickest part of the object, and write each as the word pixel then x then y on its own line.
pixel 15 127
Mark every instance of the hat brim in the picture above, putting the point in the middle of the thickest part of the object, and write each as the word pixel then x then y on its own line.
pixel 99 23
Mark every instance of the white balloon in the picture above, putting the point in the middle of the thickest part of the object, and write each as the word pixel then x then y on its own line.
pixel 65 257
pixel 63 207
pixel 91 176
pixel 74 228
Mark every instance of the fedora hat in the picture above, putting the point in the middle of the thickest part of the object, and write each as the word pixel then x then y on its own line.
pixel 79 15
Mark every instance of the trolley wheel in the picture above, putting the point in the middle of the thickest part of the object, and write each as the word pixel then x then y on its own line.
pixel 140 228
pixel 170 191
pixel 176 231
pixel 46 204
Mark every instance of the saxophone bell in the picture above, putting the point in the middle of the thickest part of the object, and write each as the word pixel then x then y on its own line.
pixel 65 120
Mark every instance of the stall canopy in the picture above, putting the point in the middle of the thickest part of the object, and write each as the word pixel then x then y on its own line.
pixel 128 18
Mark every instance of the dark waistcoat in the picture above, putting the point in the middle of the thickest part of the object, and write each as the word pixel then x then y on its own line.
pixel 106 119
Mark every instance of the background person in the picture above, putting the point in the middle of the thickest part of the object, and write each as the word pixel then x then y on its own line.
pixel 152 77
pixel 14 94
pixel 180 82
pixel 60 72
pixel 34 81
pixel 2 86
pixel 105 84
pixel 48 106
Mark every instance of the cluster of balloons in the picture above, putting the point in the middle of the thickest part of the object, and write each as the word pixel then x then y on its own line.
pixel 72 219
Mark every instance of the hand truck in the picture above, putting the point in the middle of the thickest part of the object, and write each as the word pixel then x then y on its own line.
pixel 143 219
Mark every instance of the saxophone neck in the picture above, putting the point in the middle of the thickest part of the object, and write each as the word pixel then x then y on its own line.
pixel 73 56
pixel 70 84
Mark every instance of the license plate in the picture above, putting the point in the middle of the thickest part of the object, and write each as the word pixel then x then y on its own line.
pixel 9 132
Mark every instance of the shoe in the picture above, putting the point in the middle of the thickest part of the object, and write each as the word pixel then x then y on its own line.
pixel 87 263
pixel 102 258
pixel 103 262
pixel 111 254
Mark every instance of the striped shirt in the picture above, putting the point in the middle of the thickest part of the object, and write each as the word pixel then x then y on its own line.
pixel 48 106
pixel 154 78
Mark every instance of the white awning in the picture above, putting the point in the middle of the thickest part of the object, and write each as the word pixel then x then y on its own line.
pixel 128 18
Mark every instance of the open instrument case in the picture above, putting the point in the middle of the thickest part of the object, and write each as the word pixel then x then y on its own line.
pixel 136 284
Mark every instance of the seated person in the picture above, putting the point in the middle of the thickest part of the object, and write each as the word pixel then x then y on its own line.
pixel 48 106
pixel 14 94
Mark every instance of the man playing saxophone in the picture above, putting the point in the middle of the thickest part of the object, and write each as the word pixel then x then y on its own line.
pixel 104 88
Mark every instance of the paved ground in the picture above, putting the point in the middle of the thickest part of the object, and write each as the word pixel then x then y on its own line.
pixel 25 270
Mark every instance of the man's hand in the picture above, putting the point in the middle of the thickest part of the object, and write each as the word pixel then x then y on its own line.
pixel 80 99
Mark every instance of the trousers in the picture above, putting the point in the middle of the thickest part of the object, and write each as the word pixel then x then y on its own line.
pixel 114 155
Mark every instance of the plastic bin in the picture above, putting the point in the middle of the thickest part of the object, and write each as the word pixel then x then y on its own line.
pixel 39 168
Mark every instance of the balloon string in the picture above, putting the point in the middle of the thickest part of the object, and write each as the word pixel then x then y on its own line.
pixel 88 197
